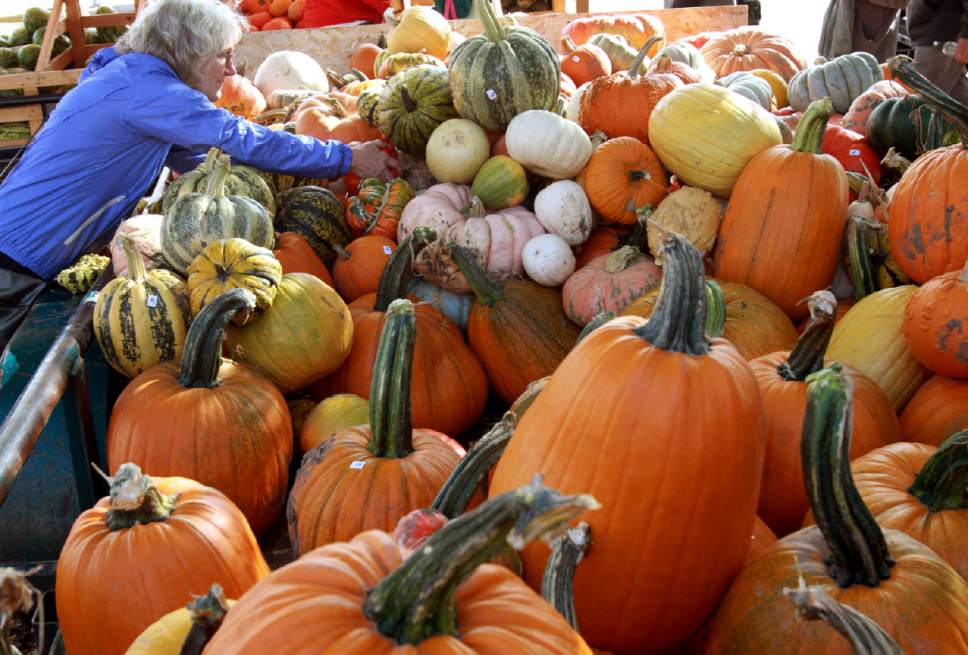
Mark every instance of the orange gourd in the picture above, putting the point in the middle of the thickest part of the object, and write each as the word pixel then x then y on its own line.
pixel 358 267
pixel 622 177
pixel 297 256
pixel 751 49
pixel 279 7
pixel 938 409
pixel 609 283
pixel 364 57
pixel 296 11
pixel 241 97
pixel 280 23
pixel 583 63
pixel 333 116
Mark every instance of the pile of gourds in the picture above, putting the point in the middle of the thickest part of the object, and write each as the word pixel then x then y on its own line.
pixel 675 265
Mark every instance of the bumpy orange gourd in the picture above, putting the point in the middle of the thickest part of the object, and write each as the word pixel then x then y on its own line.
pixel 936 324
pixel 938 409
pixel 785 219
pixel 622 177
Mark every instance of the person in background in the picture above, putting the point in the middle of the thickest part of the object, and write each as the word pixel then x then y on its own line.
pixel 326 13
pixel 861 26
pixel 108 139
pixel 931 25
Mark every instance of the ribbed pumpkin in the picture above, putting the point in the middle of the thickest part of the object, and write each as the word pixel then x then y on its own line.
pixel 675 412
pixel 449 384
pixel 241 181
pixel 195 220
pixel 505 71
pixel 358 267
pixel 842 80
pixel 938 409
pixel 934 324
pixel 339 411
pixel 369 477
pixel 295 255
pixel 753 324
pixel 233 264
pixel 784 223
pixel 869 338
pixel 547 144
pixel 377 206
pixel 211 419
pixel 318 216
pixel 171 535
pixel 305 335
pixel 749 49
pixel 439 599
pixel 141 319
pixel 501 182
pixel 623 177
pixel 636 29
pixel 860 109
pixel 186 630
pixel 896 581
pixel 413 104
pixel 585 62
pixel 516 328
pixel 609 283
pixel 782 380
pixel 706 135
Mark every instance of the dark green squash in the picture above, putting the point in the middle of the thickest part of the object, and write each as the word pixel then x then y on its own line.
pixel 505 71
pixel 910 126
pixel 316 214
pixel 241 181
pixel 413 104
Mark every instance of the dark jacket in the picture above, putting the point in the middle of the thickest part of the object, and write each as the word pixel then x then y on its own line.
pixel 937 20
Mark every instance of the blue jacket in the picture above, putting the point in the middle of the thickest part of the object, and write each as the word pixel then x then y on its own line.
pixel 106 142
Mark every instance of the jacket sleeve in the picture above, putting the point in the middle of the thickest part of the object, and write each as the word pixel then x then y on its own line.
pixel 183 117
pixel 182 160
pixel 98 60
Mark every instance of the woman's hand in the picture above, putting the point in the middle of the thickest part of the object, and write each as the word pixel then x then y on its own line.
pixel 370 160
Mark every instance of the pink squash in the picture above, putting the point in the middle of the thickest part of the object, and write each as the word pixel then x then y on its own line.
pixel 860 109
pixel 609 282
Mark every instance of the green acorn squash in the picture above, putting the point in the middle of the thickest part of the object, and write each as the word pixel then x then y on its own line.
pixel 241 181
pixel 316 214
pixel 501 182
pixel 910 126
pixel 841 79
pixel 413 104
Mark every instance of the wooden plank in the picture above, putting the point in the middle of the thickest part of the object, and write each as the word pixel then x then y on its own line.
pixel 22 113
pixel 43 60
pixel 14 143
pixel 30 81
pixel 76 32
pixel 108 20
pixel 332 46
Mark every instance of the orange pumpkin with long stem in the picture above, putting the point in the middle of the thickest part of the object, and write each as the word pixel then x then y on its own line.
pixel 785 219
pixel 213 420
pixel 583 63
pixel 622 177
pixel 698 449
pixel 895 580
pixel 782 380
pixel 939 408
pixel 359 266
pixel 934 324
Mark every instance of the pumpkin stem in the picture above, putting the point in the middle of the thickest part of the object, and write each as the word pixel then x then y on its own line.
pixel 806 357
pixel 903 68
pixel 679 317
pixel 558 581
pixel 810 129
pixel 417 602
pixel 211 158
pixel 619 260
pixel 568 44
pixel 340 251
pixel 639 65
pixel 476 209
pixel 218 177
pixel 943 479
pixel 493 29
pixel 202 353
pixel 391 429
pixel 396 276
pixel 482 456
pixel 863 253
pixel 409 104
pixel 895 161
pixel 865 636
pixel 638 238
pixel 858 551
pixel 600 319
pixel 134 499
pixel 715 310
pixel 487 289
pixel 136 264
pixel 207 612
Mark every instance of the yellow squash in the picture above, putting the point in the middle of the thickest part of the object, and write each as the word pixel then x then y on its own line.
pixel 344 410
pixel 421 29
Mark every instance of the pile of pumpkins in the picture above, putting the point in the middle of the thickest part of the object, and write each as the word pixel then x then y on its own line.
pixel 677 264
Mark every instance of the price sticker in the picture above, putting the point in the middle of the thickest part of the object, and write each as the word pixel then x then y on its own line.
pixel 357 465
pixel 491 94
pixel 387 250
pixel 91 296
pixel 853 152
pixel 576 59
pixel 152 301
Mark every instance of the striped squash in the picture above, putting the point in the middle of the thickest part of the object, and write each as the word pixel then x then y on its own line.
pixel 233 264
pixel 241 181
pixel 197 219
pixel 501 182
pixel 317 215
pixel 141 319
pixel 842 80
pixel 413 104
pixel 505 71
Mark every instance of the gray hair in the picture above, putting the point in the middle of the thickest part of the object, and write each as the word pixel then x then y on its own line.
pixel 184 33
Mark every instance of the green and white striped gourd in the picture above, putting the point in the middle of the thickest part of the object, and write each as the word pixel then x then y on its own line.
pixel 241 181
pixel 841 79
pixel 413 104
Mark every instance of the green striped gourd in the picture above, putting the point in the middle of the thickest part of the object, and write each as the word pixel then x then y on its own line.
pixel 841 79
pixel 501 182
pixel 198 219
pixel 241 181
pixel 413 104
pixel 505 71
pixel 141 319
pixel 316 214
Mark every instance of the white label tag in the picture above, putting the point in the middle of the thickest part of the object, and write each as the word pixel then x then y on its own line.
pixel 387 250
pixel 576 59
pixel 152 301
pixel 491 94
pixel 853 152
pixel 357 465
pixel 91 296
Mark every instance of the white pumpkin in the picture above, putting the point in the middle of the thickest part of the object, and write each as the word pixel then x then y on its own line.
pixel 548 260
pixel 573 108
pixel 456 150
pixel 288 70
pixel 563 209
pixel 548 144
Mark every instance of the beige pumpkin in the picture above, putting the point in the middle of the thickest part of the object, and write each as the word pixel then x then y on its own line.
pixel 688 211
pixel 421 29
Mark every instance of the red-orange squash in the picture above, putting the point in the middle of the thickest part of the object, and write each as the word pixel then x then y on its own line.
pixel 609 283
pixel 358 267
pixel 297 256
pixel 936 324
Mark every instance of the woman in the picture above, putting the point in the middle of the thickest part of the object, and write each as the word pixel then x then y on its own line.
pixel 109 138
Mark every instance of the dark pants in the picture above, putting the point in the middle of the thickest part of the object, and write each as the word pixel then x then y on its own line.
pixel 874 30
pixel 19 288
pixel 947 72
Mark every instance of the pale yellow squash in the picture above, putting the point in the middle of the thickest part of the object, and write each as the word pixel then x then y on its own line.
pixel 344 410
pixel 777 84
pixel 421 29
pixel 706 134
pixel 166 635
pixel 870 339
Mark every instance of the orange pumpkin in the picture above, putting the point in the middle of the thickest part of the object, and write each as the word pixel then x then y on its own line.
pixel 211 419
pixel 241 97
pixel 296 11
pixel 333 116
pixel 624 176
pixel 364 57
pixel 358 267
pixel 936 410
pixel 279 7
pixel 785 219
pixel 172 536
pixel 760 541
pixel 636 29
pixel 297 256
pixel 280 23
pixel 583 63
pixel 609 283
pixel 603 240
pixel 260 19
pixel 749 49
pixel 935 324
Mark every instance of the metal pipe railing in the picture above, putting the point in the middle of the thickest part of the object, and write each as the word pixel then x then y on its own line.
pixel 61 366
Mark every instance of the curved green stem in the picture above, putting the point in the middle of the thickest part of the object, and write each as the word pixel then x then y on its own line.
pixel 558 582
pixel 493 29
pixel 942 482
pixel 806 357
pixel 715 310
pixel 619 260
pixel 903 68
pixel 863 251
pixel 638 65
pixel 135 500
pixel 858 550
pixel 220 173
pixel 810 129
pixel 396 276
pixel 487 289
pixel 417 600
pixel 207 612
pixel 202 354
pixel 391 428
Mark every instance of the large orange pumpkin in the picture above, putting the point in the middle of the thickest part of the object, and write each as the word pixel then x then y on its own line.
pixel 936 323
pixel 623 177
pixel 662 425
pixel 938 409
pixel 371 596
pixel 213 420
pixel 143 552
pixel 896 581
pixel 750 49
pixel 785 219
pixel 782 380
